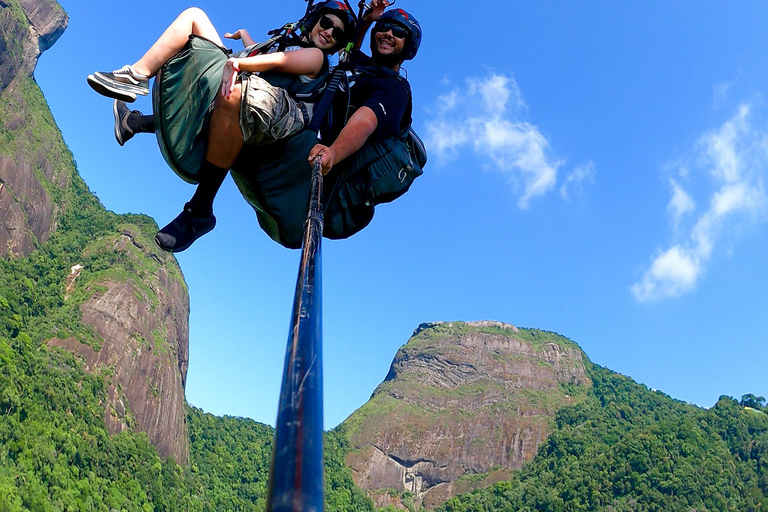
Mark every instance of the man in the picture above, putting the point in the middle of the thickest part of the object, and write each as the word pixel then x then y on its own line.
pixel 275 179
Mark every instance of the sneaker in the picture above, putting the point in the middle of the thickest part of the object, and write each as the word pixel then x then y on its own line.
pixel 184 230
pixel 123 132
pixel 126 78
pixel 109 91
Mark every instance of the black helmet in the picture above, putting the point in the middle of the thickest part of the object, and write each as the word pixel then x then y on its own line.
pixel 408 22
pixel 340 9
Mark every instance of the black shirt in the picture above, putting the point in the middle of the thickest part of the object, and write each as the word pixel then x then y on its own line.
pixel 382 90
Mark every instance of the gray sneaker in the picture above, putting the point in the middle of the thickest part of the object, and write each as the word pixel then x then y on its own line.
pixel 122 84
pixel 123 132
pixel 126 78
pixel 111 91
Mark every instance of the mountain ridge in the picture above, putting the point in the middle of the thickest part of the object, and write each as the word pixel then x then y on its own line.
pixel 79 276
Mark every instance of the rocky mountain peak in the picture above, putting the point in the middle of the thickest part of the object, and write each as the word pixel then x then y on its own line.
pixel 462 406
pixel 27 29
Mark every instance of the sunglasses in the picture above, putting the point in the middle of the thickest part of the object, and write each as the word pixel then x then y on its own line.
pixel 397 30
pixel 337 33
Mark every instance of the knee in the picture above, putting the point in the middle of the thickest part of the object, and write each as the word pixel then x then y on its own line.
pixel 195 15
pixel 228 106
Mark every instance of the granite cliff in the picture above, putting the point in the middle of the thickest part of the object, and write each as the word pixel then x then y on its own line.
pixel 29 166
pixel 129 298
pixel 463 405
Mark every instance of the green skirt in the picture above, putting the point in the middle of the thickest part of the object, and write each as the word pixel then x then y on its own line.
pixel 182 101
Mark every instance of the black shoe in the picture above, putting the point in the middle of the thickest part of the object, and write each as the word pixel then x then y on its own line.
pixel 184 230
pixel 123 132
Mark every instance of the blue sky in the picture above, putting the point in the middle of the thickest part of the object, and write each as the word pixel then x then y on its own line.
pixel 596 170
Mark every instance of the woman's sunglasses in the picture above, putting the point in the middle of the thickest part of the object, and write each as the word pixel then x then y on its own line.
pixel 397 30
pixel 337 33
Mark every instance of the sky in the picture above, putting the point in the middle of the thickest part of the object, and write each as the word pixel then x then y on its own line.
pixel 597 169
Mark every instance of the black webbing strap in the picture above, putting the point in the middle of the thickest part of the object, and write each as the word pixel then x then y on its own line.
pixel 324 105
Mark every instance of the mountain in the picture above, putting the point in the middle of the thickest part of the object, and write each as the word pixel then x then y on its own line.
pixel 29 164
pixel 485 417
pixel 463 406
pixel 74 275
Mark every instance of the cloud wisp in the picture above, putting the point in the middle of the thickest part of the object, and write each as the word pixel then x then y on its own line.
pixel 732 160
pixel 484 116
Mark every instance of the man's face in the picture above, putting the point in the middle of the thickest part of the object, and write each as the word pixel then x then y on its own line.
pixel 386 43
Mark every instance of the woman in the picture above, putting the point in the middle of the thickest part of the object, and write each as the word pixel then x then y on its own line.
pixel 267 101
pixel 299 69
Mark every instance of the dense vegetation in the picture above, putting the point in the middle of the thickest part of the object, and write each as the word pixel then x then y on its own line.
pixel 55 451
pixel 627 448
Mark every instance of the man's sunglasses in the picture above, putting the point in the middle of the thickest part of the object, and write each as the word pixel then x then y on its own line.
pixel 337 33
pixel 397 30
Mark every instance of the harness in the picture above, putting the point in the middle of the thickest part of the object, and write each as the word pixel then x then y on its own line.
pixel 286 35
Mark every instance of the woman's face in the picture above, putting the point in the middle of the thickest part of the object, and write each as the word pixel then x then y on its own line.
pixel 322 34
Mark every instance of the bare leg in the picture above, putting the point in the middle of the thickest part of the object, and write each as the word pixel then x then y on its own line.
pixel 225 139
pixel 191 21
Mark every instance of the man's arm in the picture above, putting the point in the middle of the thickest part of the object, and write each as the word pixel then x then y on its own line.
pixel 357 130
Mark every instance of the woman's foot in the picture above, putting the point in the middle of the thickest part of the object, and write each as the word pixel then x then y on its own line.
pixel 182 231
pixel 122 84
pixel 123 131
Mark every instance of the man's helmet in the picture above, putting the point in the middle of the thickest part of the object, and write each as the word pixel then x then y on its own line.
pixel 340 9
pixel 410 24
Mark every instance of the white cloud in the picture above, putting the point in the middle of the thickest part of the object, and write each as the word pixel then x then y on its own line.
pixel 484 117
pixel 681 203
pixel 672 273
pixel 734 158
pixel 575 179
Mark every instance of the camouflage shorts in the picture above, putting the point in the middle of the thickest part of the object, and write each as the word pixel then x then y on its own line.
pixel 268 113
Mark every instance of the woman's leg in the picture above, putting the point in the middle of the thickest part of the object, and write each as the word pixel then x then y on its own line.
pixel 191 21
pixel 225 140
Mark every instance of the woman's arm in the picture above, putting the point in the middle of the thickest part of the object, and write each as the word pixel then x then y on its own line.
pixel 242 35
pixel 305 61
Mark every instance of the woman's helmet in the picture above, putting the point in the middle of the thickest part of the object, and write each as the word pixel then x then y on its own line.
pixel 340 9
pixel 410 24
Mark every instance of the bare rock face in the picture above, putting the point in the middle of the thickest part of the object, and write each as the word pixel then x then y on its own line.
pixel 28 170
pixel 142 321
pixel 463 405
pixel 27 28
pixel 138 308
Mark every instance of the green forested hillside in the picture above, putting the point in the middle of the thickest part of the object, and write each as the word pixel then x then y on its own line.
pixel 627 448
pixel 55 451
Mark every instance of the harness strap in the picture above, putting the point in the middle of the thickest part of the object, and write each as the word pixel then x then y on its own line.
pixel 304 114
pixel 326 100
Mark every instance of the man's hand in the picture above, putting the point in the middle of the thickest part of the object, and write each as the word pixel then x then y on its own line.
pixel 377 7
pixel 352 137
pixel 325 154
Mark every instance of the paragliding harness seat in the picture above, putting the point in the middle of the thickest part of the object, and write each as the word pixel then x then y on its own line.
pixel 381 171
